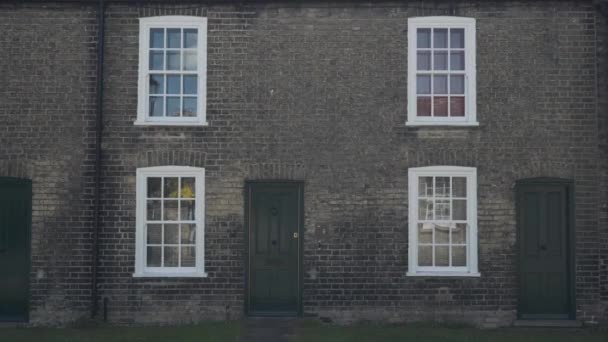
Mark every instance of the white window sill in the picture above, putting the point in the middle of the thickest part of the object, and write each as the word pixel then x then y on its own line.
pixel 443 274
pixel 170 123
pixel 170 275
pixel 442 123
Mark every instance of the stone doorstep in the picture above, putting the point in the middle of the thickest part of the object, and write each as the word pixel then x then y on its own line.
pixel 548 323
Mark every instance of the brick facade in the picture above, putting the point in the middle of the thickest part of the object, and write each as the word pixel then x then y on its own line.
pixel 313 92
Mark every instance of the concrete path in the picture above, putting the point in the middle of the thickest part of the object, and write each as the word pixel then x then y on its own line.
pixel 256 329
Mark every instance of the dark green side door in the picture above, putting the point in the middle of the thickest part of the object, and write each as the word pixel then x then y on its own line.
pixel 544 243
pixel 274 224
pixel 15 216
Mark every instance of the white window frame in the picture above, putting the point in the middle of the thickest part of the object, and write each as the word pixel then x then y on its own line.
pixel 470 173
pixel 145 24
pixel 468 24
pixel 142 174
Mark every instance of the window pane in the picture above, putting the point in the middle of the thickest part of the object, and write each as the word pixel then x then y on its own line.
pixel 457 60
pixel 190 60
pixel 157 84
pixel 424 38
pixel 423 84
pixel 156 106
pixel 457 38
pixel 459 233
pixel 156 60
pixel 457 106
pixel 174 38
pixel 425 232
pixel 173 84
pixel 170 190
pixel 157 38
pixel 442 186
pixel 188 256
pixel 153 256
pixel 441 106
pixel 425 256
pixel 425 186
pixel 170 212
pixel 190 104
pixel 188 189
pixel 174 60
pixel 154 184
pixel 457 84
pixel 460 209
pixel 459 256
pixel 425 209
pixel 190 38
pixel 459 187
pixel 423 106
pixel 442 210
pixel 173 106
pixel 188 234
pixel 153 211
pixel 171 256
pixel 442 233
pixel 187 210
pixel 171 234
pixel 424 60
pixel 440 84
pixel 441 60
pixel 442 256
pixel 190 84
pixel 440 38
pixel 154 234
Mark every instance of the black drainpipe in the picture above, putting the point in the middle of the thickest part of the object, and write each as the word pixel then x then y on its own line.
pixel 98 132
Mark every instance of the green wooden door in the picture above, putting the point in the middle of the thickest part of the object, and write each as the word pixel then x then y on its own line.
pixel 274 240
pixel 543 220
pixel 15 214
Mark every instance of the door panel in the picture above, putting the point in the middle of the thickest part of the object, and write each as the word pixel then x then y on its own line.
pixel 15 213
pixel 274 228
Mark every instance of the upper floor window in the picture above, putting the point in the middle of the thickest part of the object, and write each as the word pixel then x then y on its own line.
pixel 172 71
pixel 441 71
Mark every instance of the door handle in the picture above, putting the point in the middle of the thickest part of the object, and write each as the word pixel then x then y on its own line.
pixel 295 235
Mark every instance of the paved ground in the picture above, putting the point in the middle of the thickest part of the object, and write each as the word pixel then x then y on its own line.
pixel 267 329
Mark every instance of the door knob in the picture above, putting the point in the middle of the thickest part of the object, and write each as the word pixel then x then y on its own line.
pixel 295 235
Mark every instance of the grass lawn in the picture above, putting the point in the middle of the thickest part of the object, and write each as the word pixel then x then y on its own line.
pixel 318 332
pixel 207 332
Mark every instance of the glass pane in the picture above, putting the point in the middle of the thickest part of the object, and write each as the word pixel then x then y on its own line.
pixel 459 233
pixel 442 210
pixel 171 256
pixel 171 234
pixel 425 186
pixel 173 106
pixel 153 256
pixel 187 190
pixel 457 38
pixel 188 256
pixel 425 209
pixel 460 209
pixel 190 62
pixel 440 38
pixel 424 60
pixel 442 233
pixel 173 84
pixel 154 186
pixel 190 84
pixel 170 190
pixel 459 187
pixel 174 60
pixel 423 106
pixel 157 38
pixel 174 38
pixel 457 106
pixel 190 104
pixel 156 106
pixel 459 256
pixel 154 234
pixel 425 232
pixel 190 38
pixel 187 210
pixel 157 84
pixel 156 60
pixel 457 60
pixel 441 106
pixel 440 84
pixel 188 234
pixel 442 186
pixel 170 212
pixel 424 38
pixel 423 84
pixel 441 60
pixel 457 84
pixel 153 211
pixel 442 256
pixel 425 256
